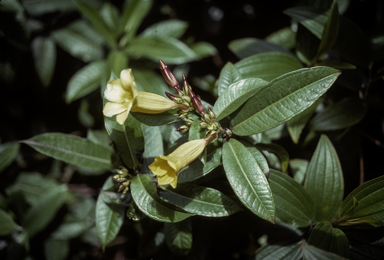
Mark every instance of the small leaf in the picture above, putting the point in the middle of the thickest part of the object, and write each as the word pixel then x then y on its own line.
pixel 133 15
pixel 153 145
pixel 228 75
pixel 259 157
pixel 156 119
pixel 268 65
pixel 279 151
pixel 294 206
pixel 144 194
pixel 42 213
pixel 8 153
pixel 330 239
pixel 109 217
pixel 284 37
pixel 127 137
pixel 85 80
pixel 199 200
pixel 370 196
pixel 246 47
pixel 179 237
pixel 72 149
pixel 168 28
pixel 44 52
pixel 169 50
pixel 345 113
pixel 324 180
pixel 282 99
pixel 247 180
pixel 7 224
pixel 235 95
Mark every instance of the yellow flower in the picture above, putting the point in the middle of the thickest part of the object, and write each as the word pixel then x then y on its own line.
pixel 124 97
pixel 168 167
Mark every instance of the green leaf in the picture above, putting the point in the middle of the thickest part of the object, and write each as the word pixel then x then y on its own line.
pixel 169 50
pixel 56 249
pixel 246 47
pixel 195 131
pixel 179 237
pixel 235 95
pixel 100 137
pixel 42 7
pixel 268 65
pixel 117 61
pixel 259 157
pixel 330 239
pixel 247 180
pixel 314 253
pixel 299 169
pixel 370 196
pixel 199 200
pixel 330 32
pixel 110 15
pixel 150 81
pixel 153 145
pixel 85 80
pixel 297 123
pixel 85 117
pixel 44 52
pixel 307 45
pixel 293 204
pixel 133 15
pixel 94 17
pixel 284 37
pixel 168 28
pixel 7 224
pixel 109 217
pixel 336 64
pixel 324 181
pixel 345 113
pixel 228 75
pixel 144 194
pixel 282 99
pixel 80 40
pixel 8 153
pixel 128 138
pixel 72 149
pixel 42 213
pixel 279 151
pixel 279 252
pixel 197 169
pixel 156 119
pixel 203 49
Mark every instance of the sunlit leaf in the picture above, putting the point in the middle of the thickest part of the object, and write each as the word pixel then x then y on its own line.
pixel 153 145
pixel 117 61
pixel 203 49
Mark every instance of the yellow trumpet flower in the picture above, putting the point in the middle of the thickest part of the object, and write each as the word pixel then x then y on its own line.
pixel 168 167
pixel 124 97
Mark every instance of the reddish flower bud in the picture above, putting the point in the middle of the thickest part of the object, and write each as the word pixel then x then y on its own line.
pixel 171 97
pixel 197 105
pixel 185 85
pixel 168 76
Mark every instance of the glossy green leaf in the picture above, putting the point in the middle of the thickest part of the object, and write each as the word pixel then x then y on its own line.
pixel 8 153
pixel 284 37
pixel 282 99
pixel 279 252
pixel 293 204
pixel 197 169
pixel 229 74
pixel 117 61
pixel 299 169
pixel 7 224
pixel 195 131
pixel 235 95
pixel 143 190
pixel 330 239
pixel 44 52
pixel 150 81
pixel 247 180
pixel 313 253
pixel 277 150
pixel 127 137
pixel 336 64
pixel 80 40
pixel 169 50
pixel 72 149
pixel 259 157
pixel 268 65
pixel 370 197
pixel 85 80
pixel 297 123
pixel 100 137
pixel 179 237
pixel 56 249
pixel 41 213
pixel 109 217
pixel 153 145
pixel 246 47
pixel 156 119
pixel 331 31
pixel 345 113
pixel 199 200
pixel 133 15
pixel 168 28
pixel 324 181
pixel 94 17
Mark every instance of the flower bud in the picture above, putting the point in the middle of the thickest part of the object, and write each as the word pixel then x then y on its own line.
pixel 183 129
pixel 189 121
pixel 197 105
pixel 203 125
pixel 172 97
pixel 211 113
pixel 186 98
pixel 186 87
pixel 168 76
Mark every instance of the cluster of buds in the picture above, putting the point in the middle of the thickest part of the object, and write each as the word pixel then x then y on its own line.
pixel 123 179
pixel 209 122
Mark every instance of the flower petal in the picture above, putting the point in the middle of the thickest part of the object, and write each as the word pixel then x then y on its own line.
pixel 166 179
pixel 111 108
pixel 115 93
pixel 150 103
pixel 126 78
